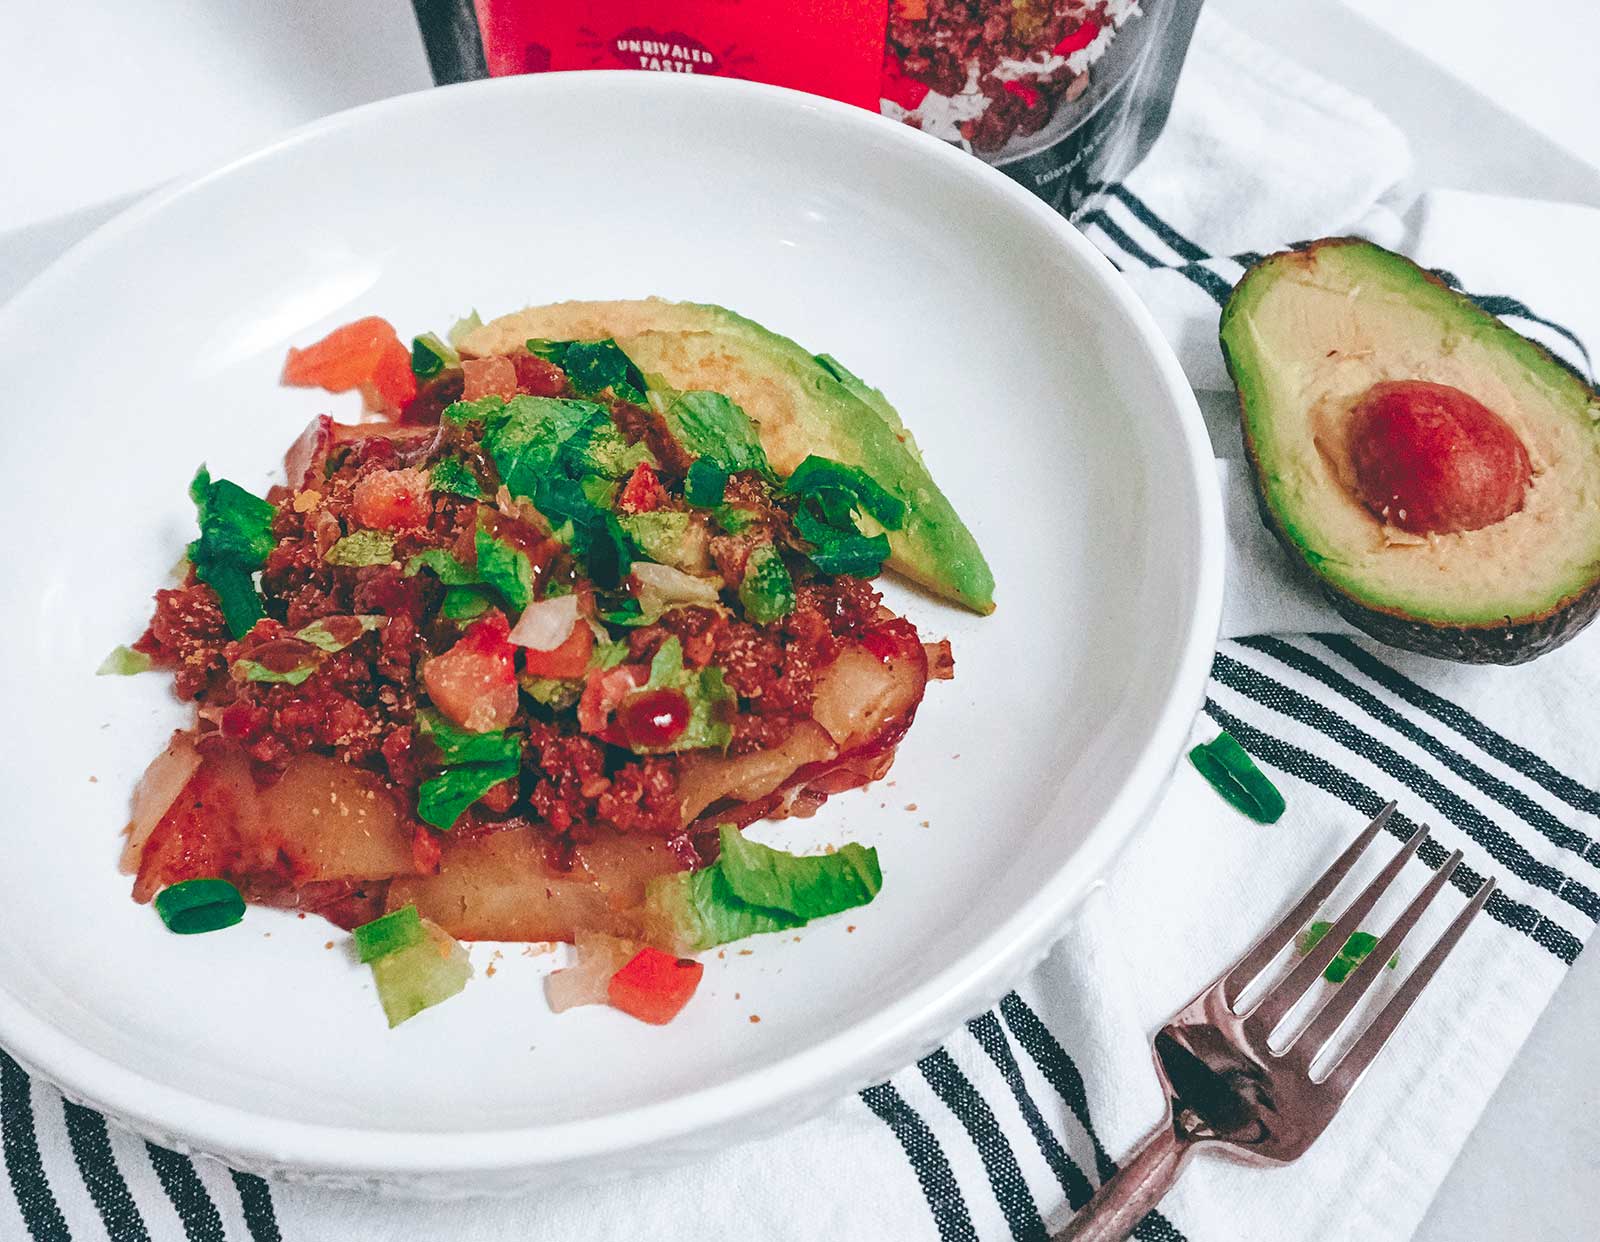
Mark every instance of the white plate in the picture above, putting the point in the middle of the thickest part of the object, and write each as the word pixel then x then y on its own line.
pixel 1046 404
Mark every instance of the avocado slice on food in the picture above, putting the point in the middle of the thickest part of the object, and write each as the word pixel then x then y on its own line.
pixel 1438 473
pixel 802 403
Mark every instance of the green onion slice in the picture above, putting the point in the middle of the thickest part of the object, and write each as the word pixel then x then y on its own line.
pixel 399 929
pixel 1234 775
pixel 199 906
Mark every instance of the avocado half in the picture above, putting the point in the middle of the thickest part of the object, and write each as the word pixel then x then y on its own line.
pixel 1306 334
pixel 803 403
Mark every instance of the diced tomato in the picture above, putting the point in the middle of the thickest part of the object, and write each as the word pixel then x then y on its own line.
pixel 912 10
pixel 488 377
pixel 567 660
pixel 1028 94
pixel 605 691
pixel 895 86
pixel 537 377
pixel 366 354
pixel 642 492
pixel 426 852
pixel 475 682
pixel 1079 39
pixel 392 500
pixel 655 986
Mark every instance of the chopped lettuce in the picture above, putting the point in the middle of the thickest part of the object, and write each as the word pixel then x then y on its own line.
pixel 506 568
pixel 252 670
pixel 593 366
pixel 235 539
pixel 705 484
pixel 808 887
pixel 841 549
pixel 458 746
pixel 707 424
pixel 603 449
pixel 462 328
pixel 420 975
pixel 831 494
pixel 767 590
pixel 362 547
pixel 445 566
pixel 708 695
pixel 752 889
pixel 822 477
pixel 464 603
pixel 556 693
pixel 487 410
pixel 123 662
pixel 330 634
pixel 442 798
pixel 526 443
pixel 659 534
pixel 453 475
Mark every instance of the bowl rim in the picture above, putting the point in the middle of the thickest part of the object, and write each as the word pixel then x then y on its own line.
pixel 815 1075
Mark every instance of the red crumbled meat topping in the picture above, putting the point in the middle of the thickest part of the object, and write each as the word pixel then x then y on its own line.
pixel 187 634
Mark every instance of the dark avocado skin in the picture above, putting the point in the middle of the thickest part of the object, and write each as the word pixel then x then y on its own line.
pixel 1517 641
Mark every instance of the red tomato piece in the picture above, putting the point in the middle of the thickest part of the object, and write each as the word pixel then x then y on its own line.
pixel 654 718
pixel 392 500
pixel 366 354
pixel 896 86
pixel 488 377
pixel 642 492
pixel 605 690
pixel 1028 94
pixel 570 659
pixel 655 986
pixel 1077 40
pixel 475 682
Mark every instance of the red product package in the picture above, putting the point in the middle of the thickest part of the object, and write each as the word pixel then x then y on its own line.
pixel 827 47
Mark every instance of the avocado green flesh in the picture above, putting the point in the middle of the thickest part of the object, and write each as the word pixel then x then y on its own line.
pixel 802 406
pixel 1307 333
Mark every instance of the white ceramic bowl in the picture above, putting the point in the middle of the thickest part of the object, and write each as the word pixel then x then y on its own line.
pixel 1047 406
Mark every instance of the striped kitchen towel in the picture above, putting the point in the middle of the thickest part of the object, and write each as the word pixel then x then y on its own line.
pixel 1011 1125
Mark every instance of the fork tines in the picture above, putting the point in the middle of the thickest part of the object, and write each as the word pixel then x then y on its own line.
pixel 1262 1019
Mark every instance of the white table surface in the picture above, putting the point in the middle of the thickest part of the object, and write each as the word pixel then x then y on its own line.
pixel 103 100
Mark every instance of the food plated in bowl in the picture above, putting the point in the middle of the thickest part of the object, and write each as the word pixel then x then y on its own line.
pixel 1042 400
pixel 517 657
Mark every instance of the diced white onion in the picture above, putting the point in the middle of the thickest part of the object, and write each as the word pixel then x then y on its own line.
pixel 660 587
pixel 546 624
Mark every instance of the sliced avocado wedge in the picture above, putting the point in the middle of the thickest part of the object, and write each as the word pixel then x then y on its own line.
pixel 1313 339
pixel 802 403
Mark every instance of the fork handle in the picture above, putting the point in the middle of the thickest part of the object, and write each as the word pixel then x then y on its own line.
pixel 1133 1190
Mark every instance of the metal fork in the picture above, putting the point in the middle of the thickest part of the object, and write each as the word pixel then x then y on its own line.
pixel 1226 1087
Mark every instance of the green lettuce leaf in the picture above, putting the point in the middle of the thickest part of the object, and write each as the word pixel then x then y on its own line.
pixel 463 328
pixel 752 888
pixel 705 484
pixel 707 692
pixel 464 603
pixel 707 424
pixel 767 590
pixel 332 634
pixel 807 887
pixel 526 444
pixel 593 366
pixel 250 670
pixel 420 975
pixel 124 662
pixel 457 746
pixel 659 533
pixel 442 798
pixel 453 475
pixel 506 568
pixel 487 410
pixel 362 547
pixel 445 566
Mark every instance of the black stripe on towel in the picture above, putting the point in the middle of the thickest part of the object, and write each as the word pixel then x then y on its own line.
pixel 255 1199
pixel 1578 796
pixel 1500 304
pixel 1061 1072
pixel 97 1165
pixel 1120 239
pixel 1203 278
pixel 991 1038
pixel 1312 769
pixel 1501 845
pixel 24 1168
pixel 1142 213
pixel 1508 796
pixel 201 1222
pixel 999 1161
pixel 928 1162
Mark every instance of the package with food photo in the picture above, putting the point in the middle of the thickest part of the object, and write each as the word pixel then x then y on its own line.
pixel 1061 95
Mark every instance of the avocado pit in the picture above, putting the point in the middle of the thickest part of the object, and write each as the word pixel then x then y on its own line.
pixel 1432 459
